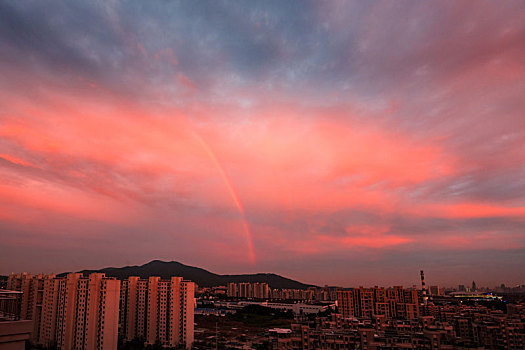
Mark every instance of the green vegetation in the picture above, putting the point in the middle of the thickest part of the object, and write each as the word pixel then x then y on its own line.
pixel 260 316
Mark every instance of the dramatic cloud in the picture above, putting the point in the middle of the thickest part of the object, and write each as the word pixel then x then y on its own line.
pixel 343 142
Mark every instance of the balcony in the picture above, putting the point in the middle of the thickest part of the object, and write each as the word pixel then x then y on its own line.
pixel 14 332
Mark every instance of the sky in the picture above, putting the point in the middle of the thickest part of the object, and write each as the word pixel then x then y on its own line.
pixel 340 142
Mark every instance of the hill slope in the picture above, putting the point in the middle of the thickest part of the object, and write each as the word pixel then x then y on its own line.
pixel 202 277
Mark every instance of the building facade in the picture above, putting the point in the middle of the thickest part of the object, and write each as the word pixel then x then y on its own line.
pixel 84 313
pixel 257 290
pixel 72 312
pixel 157 311
pixel 394 302
pixel 32 288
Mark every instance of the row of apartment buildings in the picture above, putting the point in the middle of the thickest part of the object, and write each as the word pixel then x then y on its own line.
pixel 395 302
pixel 249 290
pixel 84 313
pixel 263 291
pixel 454 327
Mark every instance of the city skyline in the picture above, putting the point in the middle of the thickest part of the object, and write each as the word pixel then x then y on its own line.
pixel 388 283
pixel 342 143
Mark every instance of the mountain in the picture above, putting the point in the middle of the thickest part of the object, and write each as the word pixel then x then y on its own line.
pixel 204 278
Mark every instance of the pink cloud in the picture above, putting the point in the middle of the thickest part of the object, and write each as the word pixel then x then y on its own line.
pixel 15 160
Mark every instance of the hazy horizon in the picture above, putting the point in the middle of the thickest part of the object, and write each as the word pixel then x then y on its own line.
pixel 356 283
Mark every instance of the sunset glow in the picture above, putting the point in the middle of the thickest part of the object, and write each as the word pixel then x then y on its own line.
pixel 326 141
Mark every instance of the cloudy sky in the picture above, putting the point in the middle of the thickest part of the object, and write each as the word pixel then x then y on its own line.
pixel 338 142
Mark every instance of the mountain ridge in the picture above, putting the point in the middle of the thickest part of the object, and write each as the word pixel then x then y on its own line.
pixel 203 278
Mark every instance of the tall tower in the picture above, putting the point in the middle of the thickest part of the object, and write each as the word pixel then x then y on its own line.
pixel 424 288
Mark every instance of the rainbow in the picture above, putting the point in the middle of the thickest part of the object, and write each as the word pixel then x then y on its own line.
pixel 233 193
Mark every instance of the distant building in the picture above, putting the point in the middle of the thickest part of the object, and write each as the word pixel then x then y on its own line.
pixel 3 282
pixel 436 290
pixel 365 302
pixel 245 290
pixel 232 290
pixel 297 308
pixel 261 290
pixel 258 290
pixel 461 327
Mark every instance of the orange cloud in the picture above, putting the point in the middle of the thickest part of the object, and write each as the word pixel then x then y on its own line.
pixel 464 210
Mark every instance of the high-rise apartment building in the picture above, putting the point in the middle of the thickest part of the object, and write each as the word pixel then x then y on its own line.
pixel 72 312
pixel 261 290
pixel 346 303
pixel 245 290
pixel 32 287
pixel 436 290
pixel 84 313
pixel 393 302
pixel 157 311
pixel 257 290
pixel 232 290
